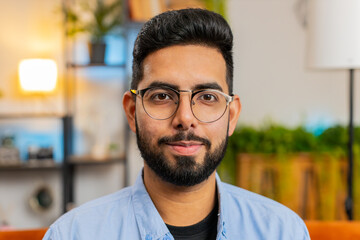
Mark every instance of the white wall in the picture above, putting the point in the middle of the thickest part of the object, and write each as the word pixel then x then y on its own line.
pixel 271 75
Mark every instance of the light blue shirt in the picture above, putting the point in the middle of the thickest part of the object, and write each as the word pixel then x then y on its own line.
pixel 130 214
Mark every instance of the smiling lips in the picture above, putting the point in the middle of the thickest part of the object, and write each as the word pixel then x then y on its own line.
pixel 185 148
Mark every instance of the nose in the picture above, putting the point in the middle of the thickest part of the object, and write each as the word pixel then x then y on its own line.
pixel 184 118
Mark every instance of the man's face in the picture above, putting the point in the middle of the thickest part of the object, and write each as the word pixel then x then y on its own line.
pixel 182 150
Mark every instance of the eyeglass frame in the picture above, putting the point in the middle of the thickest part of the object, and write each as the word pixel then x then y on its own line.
pixel 228 98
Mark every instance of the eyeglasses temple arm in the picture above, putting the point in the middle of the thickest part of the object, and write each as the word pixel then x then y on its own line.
pixel 230 99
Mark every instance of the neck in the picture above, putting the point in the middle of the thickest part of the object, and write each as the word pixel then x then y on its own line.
pixel 178 205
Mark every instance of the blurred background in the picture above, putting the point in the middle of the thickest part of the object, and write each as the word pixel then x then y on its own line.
pixel 64 66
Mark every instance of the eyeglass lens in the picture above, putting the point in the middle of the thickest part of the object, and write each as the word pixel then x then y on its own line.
pixel 206 105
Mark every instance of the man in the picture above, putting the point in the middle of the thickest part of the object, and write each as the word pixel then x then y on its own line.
pixel 182 109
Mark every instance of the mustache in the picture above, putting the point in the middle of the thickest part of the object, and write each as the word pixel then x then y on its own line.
pixel 181 136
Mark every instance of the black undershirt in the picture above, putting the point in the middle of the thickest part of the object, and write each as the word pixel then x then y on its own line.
pixel 204 230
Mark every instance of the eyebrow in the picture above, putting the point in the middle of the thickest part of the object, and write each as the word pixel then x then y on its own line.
pixel 201 86
pixel 212 85
pixel 163 84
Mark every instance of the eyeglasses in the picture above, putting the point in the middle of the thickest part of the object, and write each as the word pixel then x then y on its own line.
pixel 207 105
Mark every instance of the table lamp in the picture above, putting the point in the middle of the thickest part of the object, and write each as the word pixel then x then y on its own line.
pixel 38 75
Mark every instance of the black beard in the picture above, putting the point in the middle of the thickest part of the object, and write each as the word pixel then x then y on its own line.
pixel 186 172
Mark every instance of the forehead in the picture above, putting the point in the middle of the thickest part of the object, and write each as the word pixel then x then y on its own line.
pixel 185 67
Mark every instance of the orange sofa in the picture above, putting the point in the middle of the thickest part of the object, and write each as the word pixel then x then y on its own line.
pixel 31 234
pixel 319 230
pixel 333 230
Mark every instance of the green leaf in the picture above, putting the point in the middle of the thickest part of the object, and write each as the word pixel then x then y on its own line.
pixel 105 18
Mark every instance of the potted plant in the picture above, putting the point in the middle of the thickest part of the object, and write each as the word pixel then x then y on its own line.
pixel 305 171
pixel 96 18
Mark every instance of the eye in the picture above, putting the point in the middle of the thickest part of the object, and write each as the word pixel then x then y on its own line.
pixel 207 97
pixel 160 97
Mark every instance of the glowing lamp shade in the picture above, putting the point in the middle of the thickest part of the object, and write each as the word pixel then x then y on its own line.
pixel 38 75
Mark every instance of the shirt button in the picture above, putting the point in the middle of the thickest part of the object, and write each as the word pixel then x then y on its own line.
pixel 224 232
pixel 148 237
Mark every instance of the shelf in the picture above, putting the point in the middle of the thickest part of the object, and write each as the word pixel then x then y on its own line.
pixel 30 115
pixel 74 65
pixel 30 167
pixel 90 160
pixel 74 160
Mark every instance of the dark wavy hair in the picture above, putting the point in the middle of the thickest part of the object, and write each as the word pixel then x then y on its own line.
pixel 183 27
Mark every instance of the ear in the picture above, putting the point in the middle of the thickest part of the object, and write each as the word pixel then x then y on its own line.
pixel 235 109
pixel 129 105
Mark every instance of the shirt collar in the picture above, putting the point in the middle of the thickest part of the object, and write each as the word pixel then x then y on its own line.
pixel 223 199
pixel 149 221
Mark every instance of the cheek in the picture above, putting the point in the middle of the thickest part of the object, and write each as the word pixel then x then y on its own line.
pixel 151 128
pixel 217 131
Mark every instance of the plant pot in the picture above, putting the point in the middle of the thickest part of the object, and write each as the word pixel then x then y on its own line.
pixel 97 53
pixel 311 184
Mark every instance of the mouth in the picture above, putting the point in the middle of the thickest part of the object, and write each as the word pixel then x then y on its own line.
pixel 185 148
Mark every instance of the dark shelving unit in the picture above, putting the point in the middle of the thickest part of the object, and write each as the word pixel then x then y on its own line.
pixel 71 162
pixel 30 167
pixel 89 160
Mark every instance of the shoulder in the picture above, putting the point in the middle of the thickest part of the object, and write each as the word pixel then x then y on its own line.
pixel 118 200
pixel 91 217
pixel 263 215
pixel 262 203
